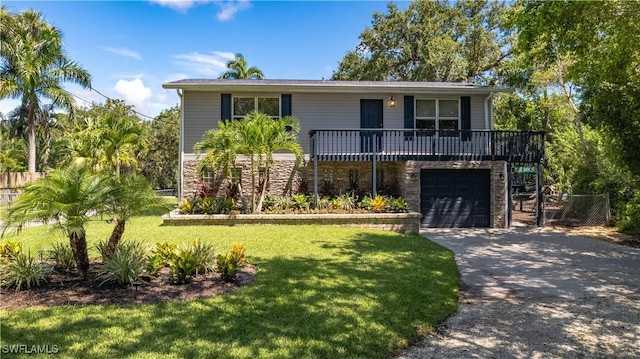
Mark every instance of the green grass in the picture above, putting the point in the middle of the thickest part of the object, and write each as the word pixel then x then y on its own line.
pixel 320 292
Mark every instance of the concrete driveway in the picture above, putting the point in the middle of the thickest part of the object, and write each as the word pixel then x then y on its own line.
pixel 528 292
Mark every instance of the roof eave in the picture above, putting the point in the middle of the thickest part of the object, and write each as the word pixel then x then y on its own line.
pixel 388 87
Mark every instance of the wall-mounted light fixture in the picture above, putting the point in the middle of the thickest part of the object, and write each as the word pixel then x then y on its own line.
pixel 501 175
pixel 392 102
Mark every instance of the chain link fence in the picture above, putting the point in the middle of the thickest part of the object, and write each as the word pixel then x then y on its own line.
pixel 576 210
pixel 8 195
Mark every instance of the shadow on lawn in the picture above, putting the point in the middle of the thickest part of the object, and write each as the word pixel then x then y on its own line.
pixel 368 296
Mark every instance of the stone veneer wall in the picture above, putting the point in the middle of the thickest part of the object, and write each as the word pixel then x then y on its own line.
pixel 401 178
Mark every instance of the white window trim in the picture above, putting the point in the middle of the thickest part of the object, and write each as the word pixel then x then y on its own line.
pixel 255 104
pixel 437 118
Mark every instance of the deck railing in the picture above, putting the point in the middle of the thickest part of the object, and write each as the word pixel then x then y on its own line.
pixel 426 145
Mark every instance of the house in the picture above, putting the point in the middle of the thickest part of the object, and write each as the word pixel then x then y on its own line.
pixel 432 143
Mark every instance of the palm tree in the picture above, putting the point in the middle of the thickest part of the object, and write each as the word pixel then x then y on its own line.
pixel 237 70
pixel 132 195
pixel 34 66
pixel 67 198
pixel 257 136
pixel 120 138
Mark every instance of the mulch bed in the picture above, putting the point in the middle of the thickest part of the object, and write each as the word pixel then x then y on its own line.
pixel 68 288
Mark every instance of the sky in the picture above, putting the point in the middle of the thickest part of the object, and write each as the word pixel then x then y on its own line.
pixel 131 48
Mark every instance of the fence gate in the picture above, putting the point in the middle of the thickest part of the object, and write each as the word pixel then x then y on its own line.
pixel 576 210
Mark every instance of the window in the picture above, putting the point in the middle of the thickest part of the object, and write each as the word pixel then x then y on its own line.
pixel 433 115
pixel 242 106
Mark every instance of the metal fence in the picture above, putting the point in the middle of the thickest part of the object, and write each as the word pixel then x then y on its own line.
pixel 576 210
pixel 168 192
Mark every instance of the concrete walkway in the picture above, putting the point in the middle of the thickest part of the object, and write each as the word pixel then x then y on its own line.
pixel 532 292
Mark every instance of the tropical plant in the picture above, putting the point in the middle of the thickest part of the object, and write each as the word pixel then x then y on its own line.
pixel 229 264
pixel 398 205
pixel 10 249
pixel 131 195
pixel 34 65
pixel 379 204
pixel 23 272
pixel 237 70
pixel 67 198
pixel 197 258
pixel 125 265
pixel 62 255
pixel 257 136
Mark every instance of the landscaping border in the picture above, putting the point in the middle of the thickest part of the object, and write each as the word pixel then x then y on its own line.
pixel 397 222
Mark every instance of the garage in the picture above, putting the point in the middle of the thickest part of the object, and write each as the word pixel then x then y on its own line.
pixel 455 198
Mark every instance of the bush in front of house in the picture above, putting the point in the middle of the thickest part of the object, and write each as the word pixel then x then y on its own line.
pixel 300 203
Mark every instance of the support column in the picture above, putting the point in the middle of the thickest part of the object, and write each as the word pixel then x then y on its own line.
pixel 373 169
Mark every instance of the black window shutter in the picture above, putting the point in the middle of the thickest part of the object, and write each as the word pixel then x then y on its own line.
pixel 409 114
pixel 285 105
pixel 465 118
pixel 225 106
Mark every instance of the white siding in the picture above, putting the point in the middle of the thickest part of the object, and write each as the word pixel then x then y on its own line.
pixel 313 110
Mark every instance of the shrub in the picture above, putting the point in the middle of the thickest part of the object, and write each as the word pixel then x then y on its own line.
pixel 205 256
pixel 127 264
pixel 22 272
pixel 630 216
pixel 398 205
pixel 323 203
pixel 344 202
pixel 366 203
pixel 165 250
pixel 300 202
pixel 10 249
pixel 186 207
pixel 198 258
pixel 228 265
pixel 101 247
pixel 154 264
pixel 62 255
pixel 225 205
pixel 379 204
pixel 269 203
pixel 283 203
pixel 208 205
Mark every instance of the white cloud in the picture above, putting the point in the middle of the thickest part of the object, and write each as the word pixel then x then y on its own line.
pixel 134 92
pixel 229 8
pixel 180 5
pixel 203 64
pixel 124 52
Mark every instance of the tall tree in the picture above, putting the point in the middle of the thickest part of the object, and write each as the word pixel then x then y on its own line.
pixel 431 41
pixel 237 70
pixel 597 42
pixel 34 66
pixel 160 165
pixel 109 136
pixel 67 198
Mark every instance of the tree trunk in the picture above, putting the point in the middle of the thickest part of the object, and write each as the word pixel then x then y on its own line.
pixel 116 235
pixel 253 186
pixel 263 191
pixel 31 121
pixel 80 254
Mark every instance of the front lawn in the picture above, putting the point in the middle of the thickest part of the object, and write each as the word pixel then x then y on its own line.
pixel 320 292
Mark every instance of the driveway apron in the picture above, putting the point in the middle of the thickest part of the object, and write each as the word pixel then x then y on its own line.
pixel 531 292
